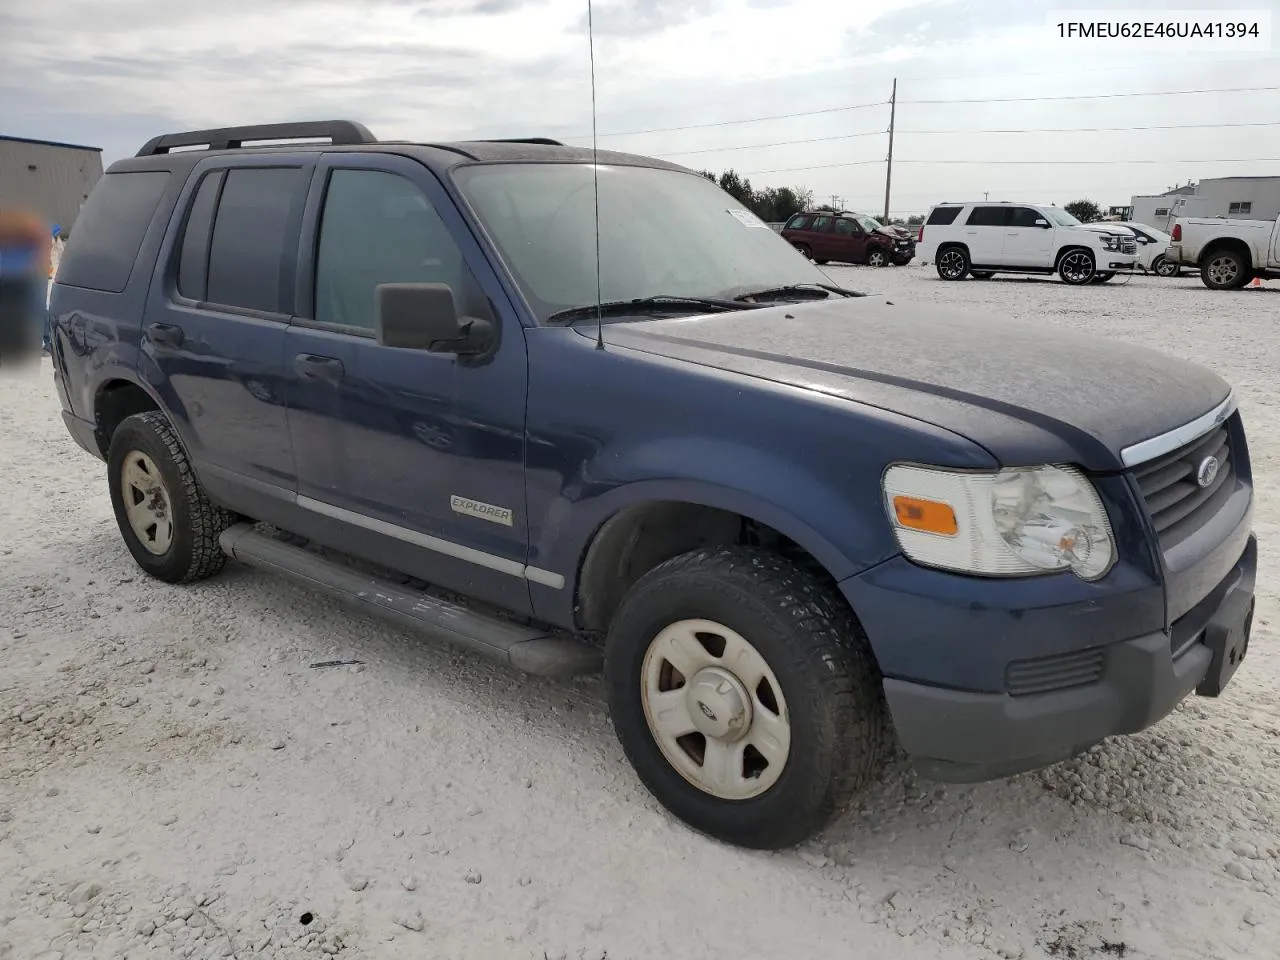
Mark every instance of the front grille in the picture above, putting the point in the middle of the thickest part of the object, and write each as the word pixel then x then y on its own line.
pixel 1128 245
pixel 1058 672
pixel 1177 504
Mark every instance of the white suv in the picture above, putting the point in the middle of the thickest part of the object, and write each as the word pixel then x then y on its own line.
pixel 985 238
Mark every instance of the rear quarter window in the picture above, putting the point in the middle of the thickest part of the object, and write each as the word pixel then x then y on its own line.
pixel 109 230
pixel 943 215
pixel 798 222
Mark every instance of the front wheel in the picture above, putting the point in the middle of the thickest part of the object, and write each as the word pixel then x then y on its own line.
pixel 1224 270
pixel 745 695
pixel 1077 267
pixel 167 522
pixel 877 258
pixel 1162 266
pixel 953 263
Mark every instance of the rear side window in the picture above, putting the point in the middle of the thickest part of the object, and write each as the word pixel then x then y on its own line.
pixel 251 236
pixel 943 215
pixel 193 262
pixel 821 223
pixel 986 217
pixel 798 222
pixel 110 229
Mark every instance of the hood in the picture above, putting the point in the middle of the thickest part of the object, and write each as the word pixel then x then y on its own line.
pixel 893 232
pixel 1027 393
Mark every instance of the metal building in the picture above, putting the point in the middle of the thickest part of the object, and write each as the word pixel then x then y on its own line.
pixel 1244 198
pixel 48 178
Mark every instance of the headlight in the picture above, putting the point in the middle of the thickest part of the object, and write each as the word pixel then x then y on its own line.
pixel 1014 522
pixel 1109 242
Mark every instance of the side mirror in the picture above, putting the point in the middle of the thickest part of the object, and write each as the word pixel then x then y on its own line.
pixel 1041 222
pixel 423 316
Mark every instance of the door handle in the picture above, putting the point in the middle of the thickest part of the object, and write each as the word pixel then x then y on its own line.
pixel 165 335
pixel 311 367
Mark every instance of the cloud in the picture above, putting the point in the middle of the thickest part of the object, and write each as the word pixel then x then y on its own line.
pixel 632 18
pixel 945 22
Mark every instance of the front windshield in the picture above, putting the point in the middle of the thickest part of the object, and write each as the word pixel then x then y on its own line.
pixel 1060 217
pixel 662 233
pixel 866 223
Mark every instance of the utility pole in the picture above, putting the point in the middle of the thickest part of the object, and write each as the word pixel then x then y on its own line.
pixel 888 170
pixel 986 195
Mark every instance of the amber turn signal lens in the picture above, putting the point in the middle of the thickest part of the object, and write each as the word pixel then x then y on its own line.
pixel 927 515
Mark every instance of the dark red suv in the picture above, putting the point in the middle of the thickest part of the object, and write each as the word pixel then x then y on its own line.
pixel 823 235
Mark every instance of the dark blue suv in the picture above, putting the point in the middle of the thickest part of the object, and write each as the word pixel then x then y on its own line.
pixel 569 413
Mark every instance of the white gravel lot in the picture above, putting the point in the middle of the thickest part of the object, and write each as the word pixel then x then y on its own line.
pixel 176 780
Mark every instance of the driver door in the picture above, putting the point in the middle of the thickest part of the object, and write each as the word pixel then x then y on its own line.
pixel 849 242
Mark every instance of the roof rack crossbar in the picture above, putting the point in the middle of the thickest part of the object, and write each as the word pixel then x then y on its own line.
pixel 337 132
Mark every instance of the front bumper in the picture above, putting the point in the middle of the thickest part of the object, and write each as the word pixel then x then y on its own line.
pixel 960 736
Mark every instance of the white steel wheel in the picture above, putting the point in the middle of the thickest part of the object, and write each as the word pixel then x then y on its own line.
pixel 147 505
pixel 715 709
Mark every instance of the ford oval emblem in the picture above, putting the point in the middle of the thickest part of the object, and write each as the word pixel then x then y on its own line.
pixel 1207 471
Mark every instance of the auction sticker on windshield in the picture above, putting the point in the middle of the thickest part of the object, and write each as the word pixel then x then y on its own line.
pixel 748 218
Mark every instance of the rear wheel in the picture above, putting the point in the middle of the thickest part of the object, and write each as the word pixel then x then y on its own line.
pixel 1077 267
pixel 745 695
pixel 953 263
pixel 804 250
pixel 1224 270
pixel 167 522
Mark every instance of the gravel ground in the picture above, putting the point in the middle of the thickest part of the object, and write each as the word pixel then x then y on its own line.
pixel 177 780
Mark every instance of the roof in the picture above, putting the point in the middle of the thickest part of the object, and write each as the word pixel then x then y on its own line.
pixel 50 143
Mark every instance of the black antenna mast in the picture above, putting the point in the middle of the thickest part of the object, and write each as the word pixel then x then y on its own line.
pixel 595 176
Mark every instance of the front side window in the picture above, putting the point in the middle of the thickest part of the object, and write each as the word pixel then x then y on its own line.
pixel 662 232
pixel 845 228
pixel 378 228
pixel 1023 217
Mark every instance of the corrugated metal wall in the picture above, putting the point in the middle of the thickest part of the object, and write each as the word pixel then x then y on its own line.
pixel 52 181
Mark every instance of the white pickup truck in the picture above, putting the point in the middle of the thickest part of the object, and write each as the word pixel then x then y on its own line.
pixel 1229 253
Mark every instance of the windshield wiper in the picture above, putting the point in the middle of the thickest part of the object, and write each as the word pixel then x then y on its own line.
pixel 660 304
pixel 806 291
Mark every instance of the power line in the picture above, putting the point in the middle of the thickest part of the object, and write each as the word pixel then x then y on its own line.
pixel 878 133
pixel 988 163
pixel 776 143
pixel 1166 126
pixel 729 123
pixel 1098 96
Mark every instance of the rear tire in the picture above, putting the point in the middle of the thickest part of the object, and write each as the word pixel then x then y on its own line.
pixel 804 250
pixel 952 263
pixel 743 611
pixel 167 522
pixel 1225 269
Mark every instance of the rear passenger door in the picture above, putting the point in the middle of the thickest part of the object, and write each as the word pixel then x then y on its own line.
pixel 213 333
pixel 820 238
pixel 409 458
pixel 1028 238
pixel 984 234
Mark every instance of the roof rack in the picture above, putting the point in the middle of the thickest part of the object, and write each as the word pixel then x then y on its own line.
pixel 543 141
pixel 337 132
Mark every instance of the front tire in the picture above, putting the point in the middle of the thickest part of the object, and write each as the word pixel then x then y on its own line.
pixel 745 695
pixel 877 258
pixel 1225 270
pixel 167 522
pixel 1077 267
pixel 952 263
pixel 1162 266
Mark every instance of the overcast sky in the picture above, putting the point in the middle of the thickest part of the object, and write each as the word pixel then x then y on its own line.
pixel 113 73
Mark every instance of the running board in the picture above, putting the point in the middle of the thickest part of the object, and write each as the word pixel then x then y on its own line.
pixel 525 648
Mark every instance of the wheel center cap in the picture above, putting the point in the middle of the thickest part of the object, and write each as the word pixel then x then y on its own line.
pixel 718 704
